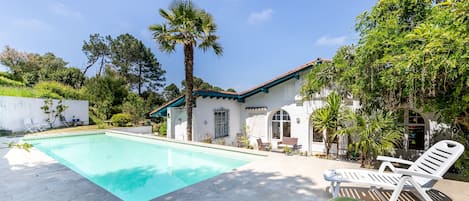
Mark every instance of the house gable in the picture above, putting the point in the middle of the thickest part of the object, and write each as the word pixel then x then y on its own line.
pixel 240 97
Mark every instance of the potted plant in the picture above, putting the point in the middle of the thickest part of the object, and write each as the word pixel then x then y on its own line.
pixel 287 150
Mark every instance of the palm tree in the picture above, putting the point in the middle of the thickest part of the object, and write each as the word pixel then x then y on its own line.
pixel 372 135
pixel 328 119
pixel 191 27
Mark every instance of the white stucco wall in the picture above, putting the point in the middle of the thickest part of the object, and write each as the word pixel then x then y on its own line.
pixel 14 111
pixel 204 118
pixel 258 122
pixel 177 123
pixel 280 97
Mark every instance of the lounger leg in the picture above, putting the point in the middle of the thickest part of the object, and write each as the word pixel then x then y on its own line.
pixel 398 189
pixel 331 188
pixel 420 190
pixel 336 190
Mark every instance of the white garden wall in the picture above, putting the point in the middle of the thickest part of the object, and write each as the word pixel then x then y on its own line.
pixel 14 111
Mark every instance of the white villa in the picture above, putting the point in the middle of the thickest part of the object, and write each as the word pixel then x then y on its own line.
pixel 271 111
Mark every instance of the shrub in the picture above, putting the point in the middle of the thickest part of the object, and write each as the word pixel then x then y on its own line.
pixel 18 91
pixel 52 88
pixel 135 106
pixel 121 119
pixel 94 120
pixel 9 82
pixel 163 128
pixel 11 76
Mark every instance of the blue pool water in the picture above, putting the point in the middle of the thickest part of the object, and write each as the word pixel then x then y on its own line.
pixel 135 168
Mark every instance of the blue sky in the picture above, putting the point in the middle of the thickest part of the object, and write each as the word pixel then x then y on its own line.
pixel 261 39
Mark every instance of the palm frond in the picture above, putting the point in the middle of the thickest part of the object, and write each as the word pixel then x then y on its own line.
pixel 186 24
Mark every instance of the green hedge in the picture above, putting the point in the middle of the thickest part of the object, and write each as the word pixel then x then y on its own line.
pixel 52 90
pixel 27 92
pixel 121 119
pixel 57 89
pixel 5 81
pixel 19 91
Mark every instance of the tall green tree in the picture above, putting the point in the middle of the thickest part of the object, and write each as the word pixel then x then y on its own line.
pixel 190 27
pixel 33 68
pixel 106 94
pixel 152 99
pixel 410 54
pixel 97 50
pixel 171 92
pixel 136 63
pixel 199 83
pixel 135 106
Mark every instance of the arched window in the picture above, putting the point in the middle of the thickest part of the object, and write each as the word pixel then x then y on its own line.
pixel 281 125
pixel 414 125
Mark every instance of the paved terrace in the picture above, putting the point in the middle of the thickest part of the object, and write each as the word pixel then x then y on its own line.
pixel 35 176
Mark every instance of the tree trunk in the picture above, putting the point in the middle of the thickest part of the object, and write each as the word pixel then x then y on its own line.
pixel 189 65
pixel 362 158
pixel 84 73
pixel 337 144
pixel 328 143
pixel 140 80
pixel 101 67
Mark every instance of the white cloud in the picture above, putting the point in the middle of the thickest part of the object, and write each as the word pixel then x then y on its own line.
pixel 35 24
pixel 63 10
pixel 331 41
pixel 261 16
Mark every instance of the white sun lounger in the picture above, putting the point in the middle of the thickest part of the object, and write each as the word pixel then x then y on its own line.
pixel 421 175
pixel 32 127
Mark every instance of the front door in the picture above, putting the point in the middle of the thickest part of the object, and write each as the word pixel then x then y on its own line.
pixel 281 125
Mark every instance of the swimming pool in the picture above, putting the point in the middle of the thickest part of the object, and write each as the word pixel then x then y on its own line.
pixel 135 168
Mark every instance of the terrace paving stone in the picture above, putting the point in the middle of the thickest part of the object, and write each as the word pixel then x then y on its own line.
pixel 35 176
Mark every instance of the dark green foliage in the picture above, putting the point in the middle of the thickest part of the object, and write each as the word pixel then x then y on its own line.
pixel 121 119
pixel 129 57
pixel 371 135
pixel 199 83
pixel 134 105
pixel 106 94
pixel 97 50
pixel 171 92
pixel 328 119
pixel 136 63
pixel 163 127
pixel 152 100
pixel 72 77
pixel 32 68
pixel 410 54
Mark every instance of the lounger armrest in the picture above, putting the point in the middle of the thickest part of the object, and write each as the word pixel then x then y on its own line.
pixel 394 160
pixel 418 174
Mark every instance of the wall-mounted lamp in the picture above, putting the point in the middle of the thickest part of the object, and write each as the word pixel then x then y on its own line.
pixel 298 120
pixel 205 122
